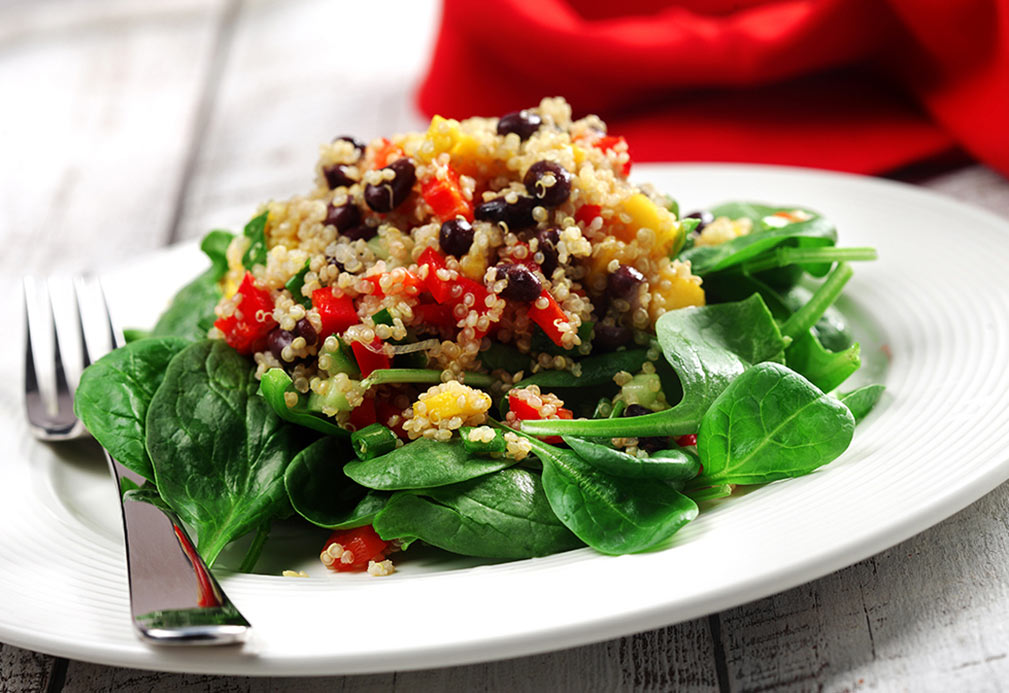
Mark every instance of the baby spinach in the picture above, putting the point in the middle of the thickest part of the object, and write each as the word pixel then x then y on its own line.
pixel 769 424
pixel 255 231
pixel 825 369
pixel 422 464
pixel 296 283
pixel 191 312
pixel 667 465
pixel 274 384
pixel 810 312
pixel 115 392
pixel 504 357
pixel 321 493
pixel 707 347
pixel 596 370
pixel 816 231
pixel 218 449
pixel 862 401
pixel 501 515
pixel 613 515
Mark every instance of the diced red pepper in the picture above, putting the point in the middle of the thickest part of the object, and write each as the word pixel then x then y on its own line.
pixel 687 440
pixel 437 314
pixel 336 313
pixel 410 283
pixel 452 292
pixel 609 143
pixel 526 412
pixel 586 213
pixel 364 545
pixel 549 318
pixel 247 328
pixel 364 414
pixel 370 359
pixel 385 152
pixel 444 196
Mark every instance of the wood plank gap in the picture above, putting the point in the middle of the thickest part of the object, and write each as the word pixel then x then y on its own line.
pixel 718 652
pixel 222 46
pixel 57 675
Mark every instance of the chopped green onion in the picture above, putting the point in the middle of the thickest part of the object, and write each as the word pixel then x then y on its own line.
pixel 373 441
pixel 494 446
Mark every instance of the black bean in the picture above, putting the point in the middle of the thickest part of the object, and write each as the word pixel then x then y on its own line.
pixel 337 176
pixel 343 217
pixel 624 282
pixel 523 284
pixel 705 218
pixel 523 123
pixel 516 215
pixel 390 194
pixel 611 337
pixel 548 195
pixel 648 444
pixel 637 410
pixel 361 232
pixel 277 340
pixel 548 240
pixel 358 144
pixel 455 237
pixel 303 328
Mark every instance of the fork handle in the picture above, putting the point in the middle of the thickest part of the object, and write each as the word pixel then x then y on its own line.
pixel 174 598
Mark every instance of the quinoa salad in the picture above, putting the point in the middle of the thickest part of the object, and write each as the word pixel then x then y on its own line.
pixel 487 338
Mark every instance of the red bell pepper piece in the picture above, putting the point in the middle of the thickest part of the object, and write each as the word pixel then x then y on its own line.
pixel 370 358
pixel 336 313
pixel 451 292
pixel 609 143
pixel 436 314
pixel 586 213
pixel 687 440
pixel 386 410
pixel 247 328
pixel 411 284
pixel 386 152
pixel 549 318
pixel 364 414
pixel 362 542
pixel 526 412
pixel 444 196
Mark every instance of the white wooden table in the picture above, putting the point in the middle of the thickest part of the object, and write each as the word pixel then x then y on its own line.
pixel 127 126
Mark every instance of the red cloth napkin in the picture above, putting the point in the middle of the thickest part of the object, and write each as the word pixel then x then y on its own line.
pixel 855 85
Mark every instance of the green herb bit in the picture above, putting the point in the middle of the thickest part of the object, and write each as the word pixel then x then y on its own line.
pixel 255 231
pixel 372 441
pixel 495 446
pixel 296 283
pixel 382 317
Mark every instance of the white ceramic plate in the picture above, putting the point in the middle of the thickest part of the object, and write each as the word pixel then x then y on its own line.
pixel 933 318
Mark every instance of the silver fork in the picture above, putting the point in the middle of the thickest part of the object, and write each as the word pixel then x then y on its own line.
pixel 174 598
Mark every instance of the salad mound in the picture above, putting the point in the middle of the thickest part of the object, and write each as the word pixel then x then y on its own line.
pixel 485 337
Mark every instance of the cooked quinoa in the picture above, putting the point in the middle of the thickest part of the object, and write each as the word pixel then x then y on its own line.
pixel 438 243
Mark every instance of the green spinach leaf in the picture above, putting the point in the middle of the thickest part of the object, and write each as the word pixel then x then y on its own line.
pixel 707 347
pixel 817 231
pixel 667 465
pixel 274 384
pixel 825 369
pixel 862 401
pixel 321 493
pixel 191 312
pixel 422 464
pixel 218 449
pixel 115 392
pixel 501 515
pixel 504 357
pixel 769 424
pixel 611 514
pixel 255 231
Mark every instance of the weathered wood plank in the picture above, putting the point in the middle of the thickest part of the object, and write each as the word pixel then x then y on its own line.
pixel 24 670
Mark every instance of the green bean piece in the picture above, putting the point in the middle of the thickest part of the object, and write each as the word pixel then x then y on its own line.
pixel 495 446
pixel 372 441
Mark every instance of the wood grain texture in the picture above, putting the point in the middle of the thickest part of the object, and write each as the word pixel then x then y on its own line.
pixel 192 113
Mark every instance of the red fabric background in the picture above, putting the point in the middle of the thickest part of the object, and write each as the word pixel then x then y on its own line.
pixel 855 85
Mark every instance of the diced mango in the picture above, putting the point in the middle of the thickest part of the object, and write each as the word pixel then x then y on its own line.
pixel 671 290
pixel 450 399
pixel 644 214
